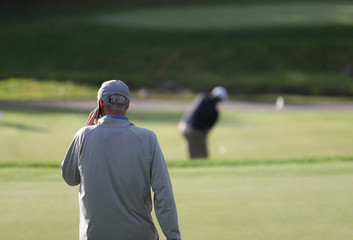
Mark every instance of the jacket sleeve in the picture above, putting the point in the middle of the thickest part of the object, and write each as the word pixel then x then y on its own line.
pixel 69 167
pixel 164 203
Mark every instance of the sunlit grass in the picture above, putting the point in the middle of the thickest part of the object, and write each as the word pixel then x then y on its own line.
pixel 271 134
pixel 44 135
pixel 261 202
pixel 32 89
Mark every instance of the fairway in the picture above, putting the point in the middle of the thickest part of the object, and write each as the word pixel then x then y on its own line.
pixel 271 175
pixel 292 201
pixel 233 16
pixel 45 134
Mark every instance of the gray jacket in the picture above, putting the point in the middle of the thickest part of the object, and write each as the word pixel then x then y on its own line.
pixel 116 164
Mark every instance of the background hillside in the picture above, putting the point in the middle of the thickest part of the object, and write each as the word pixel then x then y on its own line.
pixel 308 51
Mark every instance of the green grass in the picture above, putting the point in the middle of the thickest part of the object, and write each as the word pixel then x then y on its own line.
pixel 260 202
pixel 271 175
pixel 43 135
pixel 233 16
pixel 281 135
pixel 265 202
pixel 237 52
pixel 31 89
pixel 37 205
pixel 36 135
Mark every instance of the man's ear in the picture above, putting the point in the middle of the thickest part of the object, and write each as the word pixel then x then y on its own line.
pixel 127 105
pixel 102 107
pixel 101 103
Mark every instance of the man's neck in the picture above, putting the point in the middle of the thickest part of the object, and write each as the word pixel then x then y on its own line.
pixel 115 113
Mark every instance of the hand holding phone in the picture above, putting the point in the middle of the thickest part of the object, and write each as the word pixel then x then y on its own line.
pixel 95 115
pixel 99 112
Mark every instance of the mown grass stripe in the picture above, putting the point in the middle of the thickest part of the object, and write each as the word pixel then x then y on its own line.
pixel 201 163
pixel 231 16
pixel 29 165
pixel 210 163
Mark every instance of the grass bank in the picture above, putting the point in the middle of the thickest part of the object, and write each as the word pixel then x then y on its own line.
pixel 310 54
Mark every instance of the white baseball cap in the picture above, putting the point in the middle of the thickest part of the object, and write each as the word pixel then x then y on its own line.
pixel 112 87
pixel 220 93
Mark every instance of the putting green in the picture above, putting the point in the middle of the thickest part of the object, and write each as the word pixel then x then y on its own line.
pixel 228 16
pixel 261 202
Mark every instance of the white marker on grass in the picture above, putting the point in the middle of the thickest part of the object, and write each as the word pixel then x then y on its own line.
pixel 222 150
pixel 279 103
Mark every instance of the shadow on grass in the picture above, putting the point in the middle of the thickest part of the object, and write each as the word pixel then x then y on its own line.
pixel 23 127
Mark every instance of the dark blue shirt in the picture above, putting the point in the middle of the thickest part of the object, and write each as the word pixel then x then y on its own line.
pixel 203 114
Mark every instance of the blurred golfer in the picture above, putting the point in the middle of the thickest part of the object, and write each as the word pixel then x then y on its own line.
pixel 197 123
pixel 116 164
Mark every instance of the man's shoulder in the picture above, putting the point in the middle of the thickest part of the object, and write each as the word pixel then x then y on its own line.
pixel 144 135
pixel 86 130
pixel 141 130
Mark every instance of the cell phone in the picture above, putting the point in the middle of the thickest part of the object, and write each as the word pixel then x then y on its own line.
pixel 99 112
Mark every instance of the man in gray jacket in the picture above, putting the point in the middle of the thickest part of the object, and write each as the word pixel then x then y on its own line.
pixel 116 164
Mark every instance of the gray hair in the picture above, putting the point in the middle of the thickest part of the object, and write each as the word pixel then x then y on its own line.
pixel 116 102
